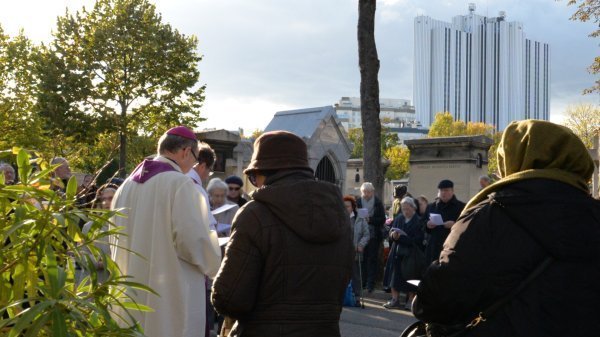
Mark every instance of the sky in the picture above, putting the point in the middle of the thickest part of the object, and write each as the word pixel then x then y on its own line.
pixel 264 56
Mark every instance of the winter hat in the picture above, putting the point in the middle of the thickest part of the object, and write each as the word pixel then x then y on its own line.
pixel 234 180
pixel 446 184
pixel 277 150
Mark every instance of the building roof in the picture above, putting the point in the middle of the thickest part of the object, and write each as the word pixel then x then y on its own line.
pixel 302 122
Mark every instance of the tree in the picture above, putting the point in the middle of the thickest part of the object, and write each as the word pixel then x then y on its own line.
pixel 444 125
pixel 584 120
pixel 398 156
pixel 387 140
pixel 19 125
pixel 589 10
pixel 136 75
pixel 369 94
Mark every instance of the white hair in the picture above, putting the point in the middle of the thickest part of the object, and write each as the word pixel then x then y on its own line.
pixel 367 187
pixel 486 178
pixel 216 183
pixel 58 160
pixel 408 201
pixel 6 166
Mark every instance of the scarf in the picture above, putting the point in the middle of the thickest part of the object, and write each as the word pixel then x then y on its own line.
pixel 532 149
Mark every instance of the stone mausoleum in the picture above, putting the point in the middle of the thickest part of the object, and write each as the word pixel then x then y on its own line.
pixel 328 145
pixel 461 159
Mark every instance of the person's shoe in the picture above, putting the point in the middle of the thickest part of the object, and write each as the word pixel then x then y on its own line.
pixel 408 306
pixel 393 304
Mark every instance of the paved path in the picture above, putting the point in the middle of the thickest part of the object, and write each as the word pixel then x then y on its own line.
pixel 374 320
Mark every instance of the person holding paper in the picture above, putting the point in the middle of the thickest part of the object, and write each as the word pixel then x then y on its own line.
pixel 448 207
pixel 406 232
pixel 166 243
pixel 217 191
pixel 376 219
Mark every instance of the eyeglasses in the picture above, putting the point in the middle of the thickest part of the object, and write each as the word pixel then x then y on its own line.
pixel 252 178
pixel 234 188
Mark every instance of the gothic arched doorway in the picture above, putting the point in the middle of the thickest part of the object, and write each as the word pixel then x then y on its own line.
pixel 325 171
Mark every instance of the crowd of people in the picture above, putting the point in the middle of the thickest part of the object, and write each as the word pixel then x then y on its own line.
pixel 278 262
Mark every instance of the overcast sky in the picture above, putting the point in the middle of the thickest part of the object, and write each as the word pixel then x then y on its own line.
pixel 263 56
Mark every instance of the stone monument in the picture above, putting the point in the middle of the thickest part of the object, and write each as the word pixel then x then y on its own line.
pixel 461 159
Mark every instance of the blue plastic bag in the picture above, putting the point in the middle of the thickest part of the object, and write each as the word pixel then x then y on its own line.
pixel 349 298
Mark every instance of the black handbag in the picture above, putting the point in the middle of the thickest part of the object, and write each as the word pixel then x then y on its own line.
pixel 422 329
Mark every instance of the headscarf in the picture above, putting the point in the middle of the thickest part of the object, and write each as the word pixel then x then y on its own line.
pixel 532 149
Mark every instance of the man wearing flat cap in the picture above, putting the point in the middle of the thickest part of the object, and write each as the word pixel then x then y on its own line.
pixel 167 244
pixel 449 207
pixel 290 255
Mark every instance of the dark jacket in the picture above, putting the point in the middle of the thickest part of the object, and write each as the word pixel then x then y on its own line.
pixel 393 277
pixel 377 221
pixel 487 255
pixel 288 261
pixel 450 211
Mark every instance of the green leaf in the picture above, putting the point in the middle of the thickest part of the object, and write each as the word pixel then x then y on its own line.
pixel 27 316
pixel 71 188
pixel 23 165
pixel 136 306
pixel 59 326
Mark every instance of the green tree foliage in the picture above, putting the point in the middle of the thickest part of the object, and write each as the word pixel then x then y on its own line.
pixel 132 74
pixel 589 10
pixel 42 244
pixel 18 123
pixel 444 125
pixel 584 120
pixel 396 154
pixel 356 136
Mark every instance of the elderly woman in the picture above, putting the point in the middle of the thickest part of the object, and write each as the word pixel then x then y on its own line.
pixel 217 193
pixel 360 238
pixel 407 230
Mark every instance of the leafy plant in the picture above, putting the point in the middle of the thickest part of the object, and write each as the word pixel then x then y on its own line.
pixel 43 246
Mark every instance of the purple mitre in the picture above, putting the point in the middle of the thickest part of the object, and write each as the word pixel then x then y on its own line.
pixel 148 169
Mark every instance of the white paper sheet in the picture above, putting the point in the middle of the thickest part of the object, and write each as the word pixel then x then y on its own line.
pixel 436 219
pixel 414 282
pixel 223 208
pixel 363 213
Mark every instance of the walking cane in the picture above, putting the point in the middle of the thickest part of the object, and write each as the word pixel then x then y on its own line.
pixel 362 301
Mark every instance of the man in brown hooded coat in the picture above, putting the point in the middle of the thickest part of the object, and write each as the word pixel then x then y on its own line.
pixel 289 258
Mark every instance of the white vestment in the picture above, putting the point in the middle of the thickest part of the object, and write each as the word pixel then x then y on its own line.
pixel 166 222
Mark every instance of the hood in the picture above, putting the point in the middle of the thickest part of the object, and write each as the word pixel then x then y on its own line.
pixel 561 217
pixel 533 149
pixel 313 210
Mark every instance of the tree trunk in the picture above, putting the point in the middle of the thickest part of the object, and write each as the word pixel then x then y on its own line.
pixel 123 141
pixel 369 95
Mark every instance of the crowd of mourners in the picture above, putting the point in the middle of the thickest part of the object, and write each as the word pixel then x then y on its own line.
pixel 521 258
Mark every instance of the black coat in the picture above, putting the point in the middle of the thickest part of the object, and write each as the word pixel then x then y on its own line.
pixel 450 211
pixel 393 277
pixel 377 221
pixel 487 255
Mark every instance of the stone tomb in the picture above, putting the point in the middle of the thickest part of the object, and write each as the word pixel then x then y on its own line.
pixel 461 159
pixel 327 142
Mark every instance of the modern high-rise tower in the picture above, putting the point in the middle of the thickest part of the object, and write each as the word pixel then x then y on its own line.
pixel 479 69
